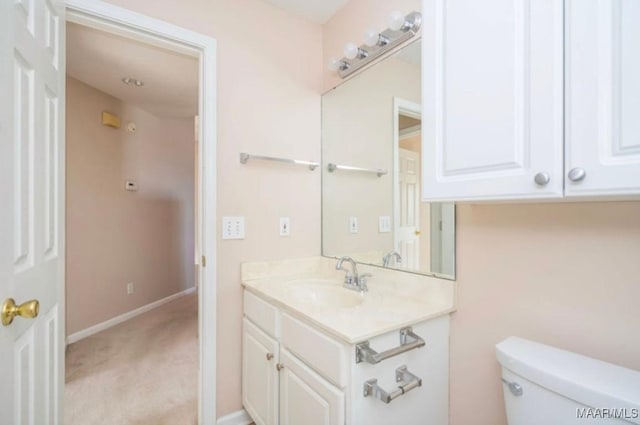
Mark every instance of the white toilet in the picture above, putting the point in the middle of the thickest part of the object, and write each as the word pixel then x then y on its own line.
pixel 544 385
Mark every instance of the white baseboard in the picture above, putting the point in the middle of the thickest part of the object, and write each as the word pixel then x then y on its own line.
pixel 126 316
pixel 241 417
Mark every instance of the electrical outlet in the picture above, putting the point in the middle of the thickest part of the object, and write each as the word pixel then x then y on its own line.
pixel 285 226
pixel 130 185
pixel 353 224
pixel 232 227
pixel 130 288
pixel 384 224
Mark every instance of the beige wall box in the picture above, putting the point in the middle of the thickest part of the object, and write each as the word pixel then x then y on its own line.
pixel 110 120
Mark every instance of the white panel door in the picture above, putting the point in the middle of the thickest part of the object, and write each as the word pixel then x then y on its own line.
pixel 602 97
pixel 492 99
pixel 407 239
pixel 307 398
pixel 32 208
pixel 259 375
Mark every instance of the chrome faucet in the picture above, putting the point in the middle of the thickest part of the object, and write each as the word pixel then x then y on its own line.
pixel 353 280
pixel 387 258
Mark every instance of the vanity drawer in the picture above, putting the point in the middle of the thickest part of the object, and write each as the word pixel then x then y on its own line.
pixel 261 313
pixel 326 356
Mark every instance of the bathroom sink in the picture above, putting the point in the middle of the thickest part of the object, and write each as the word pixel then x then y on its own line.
pixel 325 294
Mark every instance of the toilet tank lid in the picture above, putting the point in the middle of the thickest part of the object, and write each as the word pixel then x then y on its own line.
pixel 591 382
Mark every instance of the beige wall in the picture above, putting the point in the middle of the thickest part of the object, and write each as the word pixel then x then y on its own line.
pixel 116 236
pixel 565 274
pixel 269 81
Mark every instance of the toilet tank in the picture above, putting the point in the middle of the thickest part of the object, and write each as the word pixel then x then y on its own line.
pixel 544 385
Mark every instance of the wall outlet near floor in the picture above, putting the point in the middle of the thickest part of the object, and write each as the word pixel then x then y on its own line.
pixel 130 185
pixel 285 226
pixel 232 227
pixel 130 288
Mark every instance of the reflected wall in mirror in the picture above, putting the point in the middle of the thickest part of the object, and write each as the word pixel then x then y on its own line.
pixel 374 213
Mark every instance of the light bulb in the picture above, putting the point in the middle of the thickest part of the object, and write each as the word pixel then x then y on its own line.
pixel 351 50
pixel 371 37
pixel 396 20
pixel 334 64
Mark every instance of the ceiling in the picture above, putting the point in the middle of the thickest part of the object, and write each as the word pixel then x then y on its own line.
pixel 101 60
pixel 315 10
pixel 405 122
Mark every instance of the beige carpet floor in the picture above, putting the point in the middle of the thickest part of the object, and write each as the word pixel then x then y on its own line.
pixel 141 372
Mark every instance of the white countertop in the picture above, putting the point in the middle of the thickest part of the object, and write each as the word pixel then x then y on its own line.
pixel 394 299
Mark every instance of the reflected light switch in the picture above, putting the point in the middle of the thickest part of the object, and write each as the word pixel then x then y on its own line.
pixel 384 224
pixel 353 224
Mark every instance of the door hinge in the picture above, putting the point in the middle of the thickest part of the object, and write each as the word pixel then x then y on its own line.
pixel 203 262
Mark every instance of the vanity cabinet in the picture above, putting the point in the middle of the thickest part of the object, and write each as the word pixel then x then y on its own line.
pixel 260 355
pixel 294 373
pixel 530 99
pixel 277 387
pixel 306 397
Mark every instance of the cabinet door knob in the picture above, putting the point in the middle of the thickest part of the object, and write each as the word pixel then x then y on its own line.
pixel 542 179
pixel 577 174
pixel 279 366
pixel 269 356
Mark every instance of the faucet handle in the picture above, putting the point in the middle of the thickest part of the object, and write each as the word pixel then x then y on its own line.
pixel 362 279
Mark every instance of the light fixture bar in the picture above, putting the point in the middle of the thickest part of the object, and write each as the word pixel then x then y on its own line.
pixel 392 38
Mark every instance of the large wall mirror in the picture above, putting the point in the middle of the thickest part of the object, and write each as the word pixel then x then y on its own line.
pixel 371 173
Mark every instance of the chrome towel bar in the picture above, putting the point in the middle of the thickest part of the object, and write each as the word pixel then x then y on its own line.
pixel 408 379
pixel 244 157
pixel 408 341
pixel 333 167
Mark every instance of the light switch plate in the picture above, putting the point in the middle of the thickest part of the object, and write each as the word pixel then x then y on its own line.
pixel 232 227
pixel 384 224
pixel 353 224
pixel 285 226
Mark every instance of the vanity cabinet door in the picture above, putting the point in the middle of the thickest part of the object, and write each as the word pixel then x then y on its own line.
pixel 307 398
pixel 602 98
pixel 259 375
pixel 492 93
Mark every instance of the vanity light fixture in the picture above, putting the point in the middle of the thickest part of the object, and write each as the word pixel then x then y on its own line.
pixel 401 28
pixel 352 51
pixel 134 82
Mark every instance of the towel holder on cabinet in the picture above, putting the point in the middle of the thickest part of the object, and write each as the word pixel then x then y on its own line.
pixel 364 353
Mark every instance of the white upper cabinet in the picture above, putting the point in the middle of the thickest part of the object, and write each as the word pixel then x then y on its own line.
pixel 531 99
pixel 492 99
pixel 602 145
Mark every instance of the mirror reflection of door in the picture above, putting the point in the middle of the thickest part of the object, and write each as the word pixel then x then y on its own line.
pixel 409 237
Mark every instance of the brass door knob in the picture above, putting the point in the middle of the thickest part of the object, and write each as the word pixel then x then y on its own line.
pixel 418 232
pixel 28 310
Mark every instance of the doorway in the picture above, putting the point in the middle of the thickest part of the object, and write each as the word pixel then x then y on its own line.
pixel 140 28
pixel 131 317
